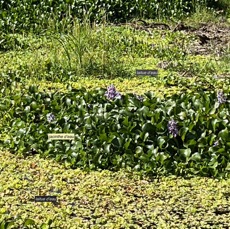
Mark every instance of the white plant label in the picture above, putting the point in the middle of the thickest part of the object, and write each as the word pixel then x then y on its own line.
pixel 61 136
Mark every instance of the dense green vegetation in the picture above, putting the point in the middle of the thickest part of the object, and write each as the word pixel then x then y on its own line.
pixel 17 16
pixel 70 67
pixel 31 14
pixel 114 131
pixel 103 199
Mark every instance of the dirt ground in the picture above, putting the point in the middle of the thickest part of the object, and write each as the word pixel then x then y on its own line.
pixel 211 37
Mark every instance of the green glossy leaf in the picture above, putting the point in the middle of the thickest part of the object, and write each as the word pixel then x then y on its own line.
pixel 182 115
pixel 224 134
pixel 195 157
pixel 185 152
pixel 33 88
pixel 127 143
pixel 182 132
pixel 144 110
pixel 223 114
pixel 107 148
pixel 161 157
pixel 198 104
pixel 103 136
pixel 138 150
pixel 7 225
pixel 29 222
pixel 45 226
pixel 161 141
pixel 214 124
pixel 148 127
pixel 191 142
pixel 34 105
pixel 212 111
pixel 68 101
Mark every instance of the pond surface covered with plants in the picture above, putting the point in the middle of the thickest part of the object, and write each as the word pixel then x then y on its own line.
pixel 148 151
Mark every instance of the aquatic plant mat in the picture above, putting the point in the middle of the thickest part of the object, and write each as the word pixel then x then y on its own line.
pixel 107 199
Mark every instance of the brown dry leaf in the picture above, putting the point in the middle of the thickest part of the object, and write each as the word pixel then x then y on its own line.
pixel 33 165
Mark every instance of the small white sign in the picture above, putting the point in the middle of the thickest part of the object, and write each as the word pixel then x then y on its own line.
pixel 61 136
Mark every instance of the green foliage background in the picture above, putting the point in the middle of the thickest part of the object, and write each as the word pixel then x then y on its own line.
pixel 122 133
pixel 19 15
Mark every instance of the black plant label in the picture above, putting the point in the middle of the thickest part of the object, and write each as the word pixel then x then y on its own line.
pixel 45 199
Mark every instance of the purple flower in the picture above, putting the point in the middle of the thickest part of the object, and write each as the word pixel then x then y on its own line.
pixel 50 117
pixel 221 98
pixel 172 128
pixel 216 143
pixel 111 93
pixel 139 97
pixel 89 106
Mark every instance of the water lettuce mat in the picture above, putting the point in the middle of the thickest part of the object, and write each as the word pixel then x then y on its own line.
pixel 105 199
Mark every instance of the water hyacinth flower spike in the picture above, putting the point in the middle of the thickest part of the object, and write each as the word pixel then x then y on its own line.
pixel 139 97
pixel 221 98
pixel 172 128
pixel 50 117
pixel 111 93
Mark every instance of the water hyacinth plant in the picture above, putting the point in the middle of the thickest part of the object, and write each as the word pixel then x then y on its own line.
pixel 172 128
pixel 111 93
